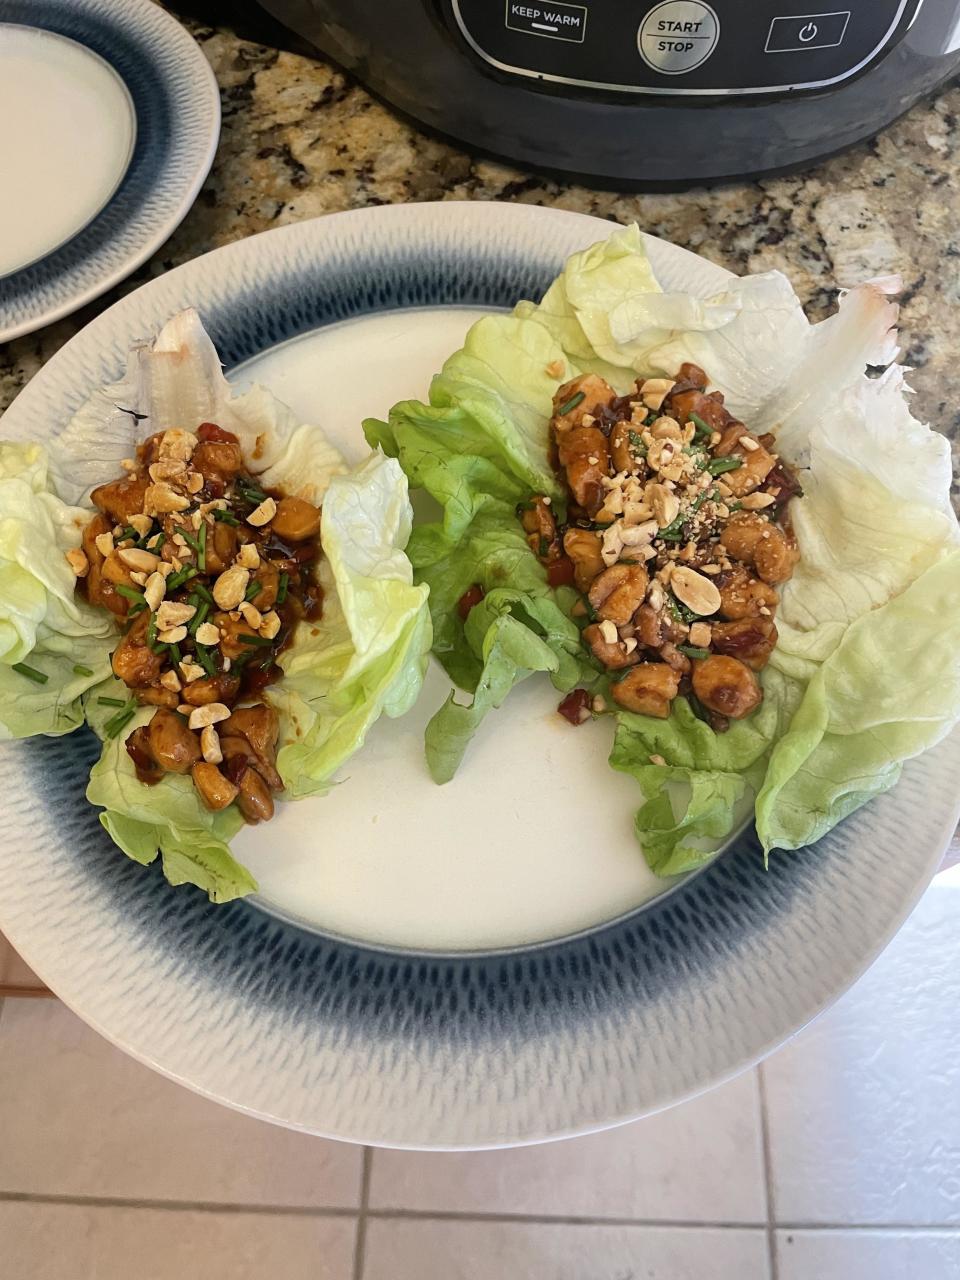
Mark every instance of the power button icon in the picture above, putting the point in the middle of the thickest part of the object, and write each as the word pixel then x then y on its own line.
pixel 807 31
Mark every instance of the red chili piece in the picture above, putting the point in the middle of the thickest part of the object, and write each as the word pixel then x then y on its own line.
pixel 560 572
pixel 473 595
pixel 576 706
pixel 210 433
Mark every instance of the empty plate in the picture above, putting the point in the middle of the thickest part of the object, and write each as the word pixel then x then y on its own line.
pixel 112 120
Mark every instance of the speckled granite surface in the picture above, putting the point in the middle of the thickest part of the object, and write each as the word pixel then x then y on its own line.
pixel 301 139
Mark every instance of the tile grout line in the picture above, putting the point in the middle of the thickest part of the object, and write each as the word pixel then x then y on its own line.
pixel 444 1215
pixel 360 1242
pixel 769 1195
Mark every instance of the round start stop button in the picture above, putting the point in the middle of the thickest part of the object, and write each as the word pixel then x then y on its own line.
pixel 677 36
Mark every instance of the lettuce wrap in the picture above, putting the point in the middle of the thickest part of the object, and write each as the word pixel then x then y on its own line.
pixel 53 645
pixel 365 656
pixel 865 674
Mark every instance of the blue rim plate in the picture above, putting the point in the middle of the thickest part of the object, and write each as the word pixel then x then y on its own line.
pixel 177 107
pixel 456 1050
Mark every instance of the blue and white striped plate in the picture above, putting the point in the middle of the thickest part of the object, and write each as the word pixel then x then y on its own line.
pixel 175 105
pixel 430 1020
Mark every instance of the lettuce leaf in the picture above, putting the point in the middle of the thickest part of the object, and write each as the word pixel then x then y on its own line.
pixel 168 819
pixel 176 379
pixel 702 789
pixel 43 623
pixel 875 528
pixel 510 634
pixel 368 652
pixel 890 690
pixel 366 655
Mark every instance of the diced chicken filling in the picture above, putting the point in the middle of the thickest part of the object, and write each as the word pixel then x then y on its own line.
pixel 208 576
pixel 676 533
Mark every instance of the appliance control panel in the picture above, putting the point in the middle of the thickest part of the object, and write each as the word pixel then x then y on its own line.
pixel 684 46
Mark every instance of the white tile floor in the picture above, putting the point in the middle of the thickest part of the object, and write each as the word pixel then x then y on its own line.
pixel 108 1172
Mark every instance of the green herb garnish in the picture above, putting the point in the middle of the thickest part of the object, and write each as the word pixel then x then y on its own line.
pixel 248 491
pixel 199 589
pixel 202 548
pixel 180 577
pixel 205 660
pixel 254 589
pixel 112 702
pixel 199 617
pixel 692 651
pixel 704 430
pixel 711 494
pixel 246 638
pixel 129 534
pixel 680 611
pixel 38 677
pixel 120 720
pixel 225 517
pixel 174 650
pixel 282 588
pixel 130 593
pixel 717 466
pixel 571 403
pixel 152 633
pixel 192 541
pixel 81 671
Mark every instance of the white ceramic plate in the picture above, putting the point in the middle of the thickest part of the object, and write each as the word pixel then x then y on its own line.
pixel 117 119
pixel 458 967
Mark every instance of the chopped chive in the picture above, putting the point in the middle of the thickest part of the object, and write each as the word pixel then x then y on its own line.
pixel 205 660
pixel 130 593
pixel 249 492
pixel 245 638
pixel 137 608
pixel 120 720
pixel 571 403
pixel 180 577
pixel 158 539
pixel 638 443
pixel 191 540
pixel 708 494
pixel 38 677
pixel 198 618
pixel 692 651
pixel 282 588
pixel 680 611
pixel 202 548
pixel 129 533
pixel 174 652
pixel 703 428
pixel 152 633
pixel 82 671
pixel 225 517
pixel 112 702
pixel 673 532
pixel 734 506
pixel 254 589
pixel 718 466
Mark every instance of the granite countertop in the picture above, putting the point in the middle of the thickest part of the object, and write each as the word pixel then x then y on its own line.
pixel 300 138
